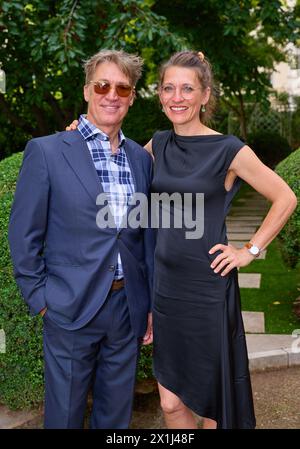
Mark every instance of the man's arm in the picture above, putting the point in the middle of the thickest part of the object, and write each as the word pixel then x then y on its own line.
pixel 28 225
pixel 149 238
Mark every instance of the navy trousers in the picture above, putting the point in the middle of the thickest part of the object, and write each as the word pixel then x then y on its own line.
pixel 102 354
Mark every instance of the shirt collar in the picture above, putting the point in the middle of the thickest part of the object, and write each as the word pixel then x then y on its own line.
pixel 90 131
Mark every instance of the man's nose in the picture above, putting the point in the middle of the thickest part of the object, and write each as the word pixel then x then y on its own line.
pixel 112 94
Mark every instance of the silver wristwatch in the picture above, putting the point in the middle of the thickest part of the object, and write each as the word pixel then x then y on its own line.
pixel 254 250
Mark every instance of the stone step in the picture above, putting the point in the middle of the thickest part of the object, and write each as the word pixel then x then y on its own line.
pixel 269 351
pixel 251 207
pixel 241 227
pixel 254 322
pixel 253 200
pixel 252 220
pixel 249 280
pixel 233 236
pixel 247 213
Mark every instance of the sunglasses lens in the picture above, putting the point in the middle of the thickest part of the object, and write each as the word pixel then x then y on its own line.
pixel 101 88
pixel 123 91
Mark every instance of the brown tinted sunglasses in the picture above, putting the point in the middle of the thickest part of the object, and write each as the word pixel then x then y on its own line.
pixel 103 87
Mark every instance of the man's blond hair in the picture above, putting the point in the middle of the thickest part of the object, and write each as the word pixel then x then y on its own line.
pixel 129 64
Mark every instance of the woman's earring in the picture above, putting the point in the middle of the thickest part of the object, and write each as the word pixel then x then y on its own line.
pixel 203 108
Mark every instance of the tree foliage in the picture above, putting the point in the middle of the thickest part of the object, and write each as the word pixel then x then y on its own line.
pixel 242 38
pixel 43 44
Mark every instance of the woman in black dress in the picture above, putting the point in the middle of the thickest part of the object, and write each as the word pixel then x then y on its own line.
pixel 200 354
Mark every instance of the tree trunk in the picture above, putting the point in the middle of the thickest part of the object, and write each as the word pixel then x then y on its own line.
pixel 242 117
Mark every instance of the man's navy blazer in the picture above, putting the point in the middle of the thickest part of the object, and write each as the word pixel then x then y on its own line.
pixel 62 259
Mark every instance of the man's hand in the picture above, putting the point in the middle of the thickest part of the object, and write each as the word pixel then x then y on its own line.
pixel 43 311
pixel 148 337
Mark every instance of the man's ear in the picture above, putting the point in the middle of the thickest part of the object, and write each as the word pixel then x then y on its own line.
pixel 86 92
pixel 133 97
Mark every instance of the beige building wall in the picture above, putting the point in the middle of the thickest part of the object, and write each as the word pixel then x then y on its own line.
pixel 287 78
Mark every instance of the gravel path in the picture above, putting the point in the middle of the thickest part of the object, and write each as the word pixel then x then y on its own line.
pixel 276 400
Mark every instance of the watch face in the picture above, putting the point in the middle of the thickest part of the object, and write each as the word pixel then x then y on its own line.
pixel 254 250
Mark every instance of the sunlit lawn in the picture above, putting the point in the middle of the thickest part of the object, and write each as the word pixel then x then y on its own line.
pixel 280 286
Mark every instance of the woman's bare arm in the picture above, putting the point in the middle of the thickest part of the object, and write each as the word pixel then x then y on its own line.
pixel 250 168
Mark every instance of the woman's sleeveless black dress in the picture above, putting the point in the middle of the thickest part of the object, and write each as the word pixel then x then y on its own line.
pixel 200 351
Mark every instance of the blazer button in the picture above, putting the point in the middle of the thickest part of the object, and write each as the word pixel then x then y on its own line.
pixel 111 268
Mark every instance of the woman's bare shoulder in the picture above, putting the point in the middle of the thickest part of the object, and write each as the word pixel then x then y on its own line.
pixel 148 147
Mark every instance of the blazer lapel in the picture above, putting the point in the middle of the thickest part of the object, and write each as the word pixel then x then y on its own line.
pixel 132 161
pixel 78 157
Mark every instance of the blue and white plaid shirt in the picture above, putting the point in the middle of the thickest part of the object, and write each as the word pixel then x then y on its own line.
pixel 113 171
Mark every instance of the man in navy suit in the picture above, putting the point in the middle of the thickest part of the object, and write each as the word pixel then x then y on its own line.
pixel 91 284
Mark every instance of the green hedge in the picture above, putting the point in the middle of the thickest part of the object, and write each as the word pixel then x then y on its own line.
pixel 289 237
pixel 270 147
pixel 21 366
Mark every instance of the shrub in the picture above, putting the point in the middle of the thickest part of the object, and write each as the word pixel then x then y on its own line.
pixel 296 124
pixel 21 366
pixel 145 363
pixel 271 148
pixel 289 237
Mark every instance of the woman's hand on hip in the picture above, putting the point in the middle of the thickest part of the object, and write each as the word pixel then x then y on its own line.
pixel 230 258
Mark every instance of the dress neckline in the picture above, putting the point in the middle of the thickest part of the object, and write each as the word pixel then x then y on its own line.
pixel 198 136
